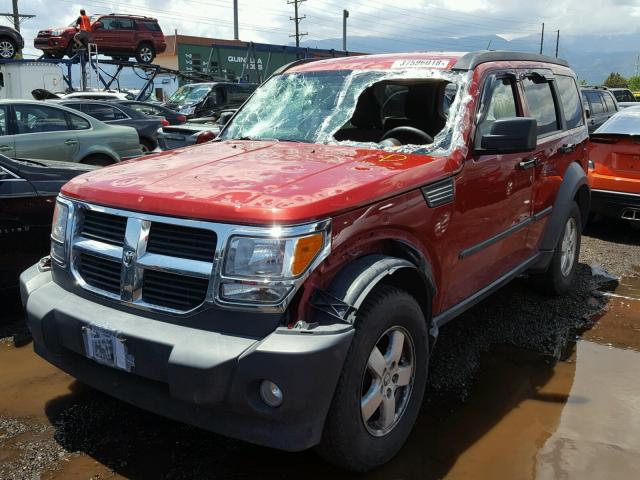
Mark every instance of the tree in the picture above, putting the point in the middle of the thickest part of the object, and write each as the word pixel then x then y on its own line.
pixel 615 80
pixel 634 83
pixel 583 82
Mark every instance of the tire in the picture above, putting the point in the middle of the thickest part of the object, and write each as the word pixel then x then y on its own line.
pixel 559 276
pixel 145 53
pixel 98 160
pixel 147 146
pixel 72 48
pixel 8 48
pixel 348 440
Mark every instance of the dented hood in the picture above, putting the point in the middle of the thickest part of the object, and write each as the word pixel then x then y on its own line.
pixel 257 182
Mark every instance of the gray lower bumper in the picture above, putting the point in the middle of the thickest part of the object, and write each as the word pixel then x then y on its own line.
pixel 200 377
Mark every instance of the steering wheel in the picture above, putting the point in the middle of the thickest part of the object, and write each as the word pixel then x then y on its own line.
pixel 404 134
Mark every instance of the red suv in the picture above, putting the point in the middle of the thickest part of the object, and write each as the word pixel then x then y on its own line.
pixel 284 283
pixel 119 36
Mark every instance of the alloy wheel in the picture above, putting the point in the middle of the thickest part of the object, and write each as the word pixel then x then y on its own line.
pixel 387 381
pixel 568 247
pixel 7 50
pixel 146 55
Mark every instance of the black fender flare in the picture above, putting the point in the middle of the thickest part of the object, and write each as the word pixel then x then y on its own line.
pixel 574 179
pixel 355 281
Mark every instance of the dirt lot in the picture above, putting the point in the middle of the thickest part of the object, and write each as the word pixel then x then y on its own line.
pixel 522 386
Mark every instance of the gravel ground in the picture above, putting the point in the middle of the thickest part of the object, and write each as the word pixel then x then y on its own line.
pixel 135 444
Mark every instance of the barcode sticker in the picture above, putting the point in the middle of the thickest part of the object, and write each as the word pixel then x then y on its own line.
pixel 426 63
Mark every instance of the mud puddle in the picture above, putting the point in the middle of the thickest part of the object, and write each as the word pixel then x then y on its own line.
pixel 527 415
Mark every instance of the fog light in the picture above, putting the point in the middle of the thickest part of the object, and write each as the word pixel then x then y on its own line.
pixel 270 393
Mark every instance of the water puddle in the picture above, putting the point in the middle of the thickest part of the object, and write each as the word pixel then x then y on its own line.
pixel 529 416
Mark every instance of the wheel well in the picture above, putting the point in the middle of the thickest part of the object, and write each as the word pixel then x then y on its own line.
pixel 412 282
pixel 146 42
pixel 98 156
pixel 583 199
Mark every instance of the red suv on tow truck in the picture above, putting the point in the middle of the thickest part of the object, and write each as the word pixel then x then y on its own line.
pixel 118 36
pixel 283 283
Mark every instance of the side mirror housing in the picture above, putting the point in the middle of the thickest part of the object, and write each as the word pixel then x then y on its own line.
pixel 225 117
pixel 96 25
pixel 587 110
pixel 510 135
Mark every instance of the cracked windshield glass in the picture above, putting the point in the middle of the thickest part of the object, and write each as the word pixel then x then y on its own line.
pixel 367 108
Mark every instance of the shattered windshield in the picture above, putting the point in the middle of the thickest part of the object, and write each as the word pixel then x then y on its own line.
pixel 190 94
pixel 407 110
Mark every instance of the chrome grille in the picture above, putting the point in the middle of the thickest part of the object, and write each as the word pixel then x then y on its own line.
pixel 183 242
pixel 177 292
pixel 99 272
pixel 103 227
pixel 156 262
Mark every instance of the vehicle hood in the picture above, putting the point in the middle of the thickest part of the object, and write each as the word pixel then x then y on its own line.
pixel 257 182
pixel 65 29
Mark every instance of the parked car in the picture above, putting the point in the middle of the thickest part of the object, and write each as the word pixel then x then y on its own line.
pixel 283 284
pixel 153 109
pixel 116 35
pixel 98 95
pixel 45 131
pixel 178 136
pixel 209 99
pixel 11 42
pixel 600 105
pixel 28 191
pixel 614 167
pixel 117 114
pixel 624 97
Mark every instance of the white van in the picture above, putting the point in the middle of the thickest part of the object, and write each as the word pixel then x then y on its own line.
pixel 18 80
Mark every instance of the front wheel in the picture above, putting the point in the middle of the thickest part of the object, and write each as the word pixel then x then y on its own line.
pixel 559 276
pixel 8 49
pixel 380 391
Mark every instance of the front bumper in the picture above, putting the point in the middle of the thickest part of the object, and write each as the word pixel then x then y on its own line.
pixel 613 204
pixel 51 43
pixel 201 377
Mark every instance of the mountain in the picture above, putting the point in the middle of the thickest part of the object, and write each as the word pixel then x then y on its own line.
pixel 592 57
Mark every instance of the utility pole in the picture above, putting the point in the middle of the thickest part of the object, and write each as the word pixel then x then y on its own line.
pixel 16 16
pixel 297 19
pixel 542 39
pixel 557 43
pixel 345 15
pixel 235 20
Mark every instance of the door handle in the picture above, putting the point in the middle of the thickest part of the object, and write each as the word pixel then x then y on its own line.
pixel 567 148
pixel 71 142
pixel 528 163
pixel 5 148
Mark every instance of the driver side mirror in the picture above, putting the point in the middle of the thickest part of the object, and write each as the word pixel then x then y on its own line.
pixel 587 110
pixel 510 135
pixel 225 117
pixel 96 25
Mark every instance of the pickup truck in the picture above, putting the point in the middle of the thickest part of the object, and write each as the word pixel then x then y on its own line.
pixel 285 283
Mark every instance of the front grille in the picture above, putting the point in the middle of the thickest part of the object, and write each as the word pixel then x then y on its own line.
pixel 182 242
pixel 173 291
pixel 103 227
pixel 99 272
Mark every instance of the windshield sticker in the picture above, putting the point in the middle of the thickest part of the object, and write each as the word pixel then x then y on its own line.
pixel 438 63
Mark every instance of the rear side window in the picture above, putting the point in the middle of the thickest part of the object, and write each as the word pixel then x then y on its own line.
pixel 595 102
pixel 542 105
pixel 608 100
pixel 78 123
pixel 570 101
pixel 145 109
pixel 104 113
pixel 39 119
pixel 153 26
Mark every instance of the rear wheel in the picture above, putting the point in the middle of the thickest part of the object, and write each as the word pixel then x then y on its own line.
pixel 145 53
pixel 99 160
pixel 559 276
pixel 8 49
pixel 382 384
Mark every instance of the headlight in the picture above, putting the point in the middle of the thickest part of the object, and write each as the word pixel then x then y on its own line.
pixel 264 269
pixel 59 232
pixel 58 32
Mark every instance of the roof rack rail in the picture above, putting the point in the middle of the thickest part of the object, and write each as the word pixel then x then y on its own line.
pixel 471 60
pixel 129 15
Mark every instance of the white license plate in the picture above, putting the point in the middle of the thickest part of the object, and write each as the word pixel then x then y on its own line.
pixel 105 347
